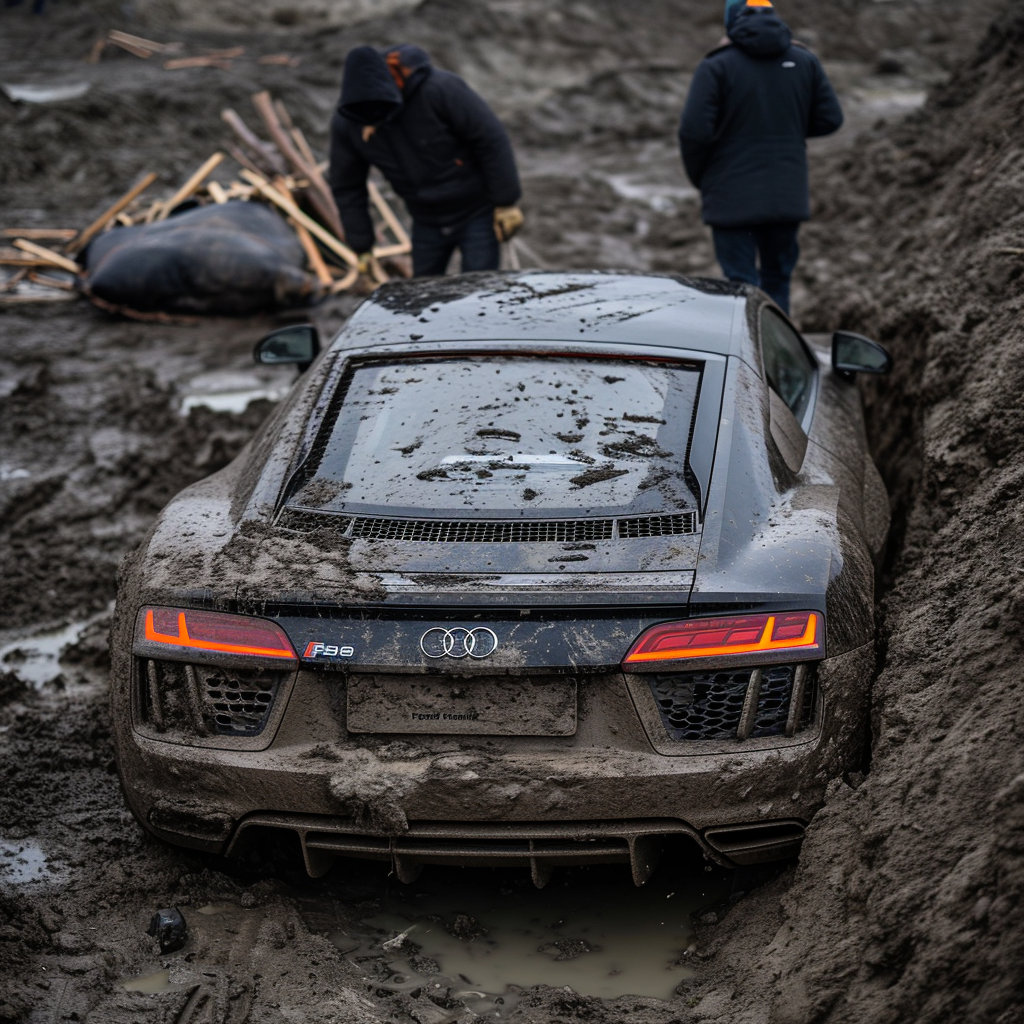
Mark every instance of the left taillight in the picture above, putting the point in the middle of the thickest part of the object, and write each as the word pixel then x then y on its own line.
pixel 188 629
pixel 797 633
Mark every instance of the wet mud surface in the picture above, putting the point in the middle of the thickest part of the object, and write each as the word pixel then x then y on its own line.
pixel 906 902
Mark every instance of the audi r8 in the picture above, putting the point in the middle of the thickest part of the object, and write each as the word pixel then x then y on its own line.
pixel 528 568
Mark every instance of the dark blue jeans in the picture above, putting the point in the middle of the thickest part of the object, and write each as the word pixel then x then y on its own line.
pixel 737 251
pixel 432 247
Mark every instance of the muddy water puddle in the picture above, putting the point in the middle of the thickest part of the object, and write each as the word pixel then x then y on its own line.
pixel 22 861
pixel 35 659
pixel 486 937
pixel 232 391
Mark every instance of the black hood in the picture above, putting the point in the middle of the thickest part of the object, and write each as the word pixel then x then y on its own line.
pixel 761 33
pixel 376 83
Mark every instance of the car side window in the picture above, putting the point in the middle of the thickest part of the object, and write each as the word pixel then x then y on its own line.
pixel 788 365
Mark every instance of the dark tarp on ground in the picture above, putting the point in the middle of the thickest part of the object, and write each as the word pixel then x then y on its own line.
pixel 234 258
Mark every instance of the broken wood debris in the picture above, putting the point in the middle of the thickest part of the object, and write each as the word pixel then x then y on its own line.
pixel 101 222
pixel 40 234
pixel 197 62
pixel 190 186
pixel 209 58
pixel 53 258
pixel 136 45
pixel 283 171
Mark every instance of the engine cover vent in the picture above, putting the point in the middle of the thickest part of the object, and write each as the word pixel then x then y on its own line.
pixel 491 531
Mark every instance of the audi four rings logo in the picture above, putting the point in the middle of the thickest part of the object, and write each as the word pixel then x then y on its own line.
pixel 458 642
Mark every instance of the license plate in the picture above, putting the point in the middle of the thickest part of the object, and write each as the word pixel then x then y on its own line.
pixel 488 706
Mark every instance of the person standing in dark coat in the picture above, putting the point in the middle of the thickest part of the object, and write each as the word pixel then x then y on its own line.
pixel 441 148
pixel 753 103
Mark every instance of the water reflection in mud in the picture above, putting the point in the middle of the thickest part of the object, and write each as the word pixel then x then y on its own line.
pixel 36 659
pixel 486 935
pixel 22 861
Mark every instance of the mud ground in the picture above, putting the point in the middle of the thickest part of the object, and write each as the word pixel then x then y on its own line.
pixel 906 902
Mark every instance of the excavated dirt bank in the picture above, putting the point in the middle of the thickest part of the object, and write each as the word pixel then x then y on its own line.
pixel 906 900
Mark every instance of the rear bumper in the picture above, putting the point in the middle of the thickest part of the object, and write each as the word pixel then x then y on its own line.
pixel 412 799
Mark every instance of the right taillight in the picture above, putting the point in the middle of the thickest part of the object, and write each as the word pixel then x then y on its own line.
pixel 748 635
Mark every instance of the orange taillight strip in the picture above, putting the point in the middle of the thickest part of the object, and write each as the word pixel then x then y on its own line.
pixel 808 640
pixel 184 640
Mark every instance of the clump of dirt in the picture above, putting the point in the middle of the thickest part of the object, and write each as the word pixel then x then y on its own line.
pixel 906 902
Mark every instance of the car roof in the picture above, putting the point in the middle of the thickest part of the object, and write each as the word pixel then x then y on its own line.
pixel 579 306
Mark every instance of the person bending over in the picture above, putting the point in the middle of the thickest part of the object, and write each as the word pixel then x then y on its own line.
pixel 441 148
pixel 753 102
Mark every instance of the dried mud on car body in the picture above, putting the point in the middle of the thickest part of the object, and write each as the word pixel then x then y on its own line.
pixel 906 901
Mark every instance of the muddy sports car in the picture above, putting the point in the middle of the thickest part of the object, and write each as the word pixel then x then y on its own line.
pixel 529 568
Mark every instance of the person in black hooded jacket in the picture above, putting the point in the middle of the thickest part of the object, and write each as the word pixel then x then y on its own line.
pixel 753 103
pixel 441 148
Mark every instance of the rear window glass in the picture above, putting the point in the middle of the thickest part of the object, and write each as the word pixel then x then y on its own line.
pixel 500 434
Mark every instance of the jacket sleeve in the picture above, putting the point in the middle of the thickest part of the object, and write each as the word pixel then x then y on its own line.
pixel 699 121
pixel 473 122
pixel 826 113
pixel 347 176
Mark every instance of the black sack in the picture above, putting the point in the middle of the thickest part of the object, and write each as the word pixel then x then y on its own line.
pixel 233 258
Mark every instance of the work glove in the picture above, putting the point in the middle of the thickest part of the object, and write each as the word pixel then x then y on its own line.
pixel 364 262
pixel 507 221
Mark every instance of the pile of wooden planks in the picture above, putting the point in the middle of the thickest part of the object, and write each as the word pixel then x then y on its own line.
pixel 281 170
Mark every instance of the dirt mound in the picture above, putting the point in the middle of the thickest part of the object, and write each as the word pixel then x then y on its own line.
pixel 907 899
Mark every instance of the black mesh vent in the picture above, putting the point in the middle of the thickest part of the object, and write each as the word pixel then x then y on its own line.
pixel 701 705
pixel 205 699
pixel 773 700
pixel 237 702
pixel 658 526
pixel 481 532
pixel 709 705
pixel 489 531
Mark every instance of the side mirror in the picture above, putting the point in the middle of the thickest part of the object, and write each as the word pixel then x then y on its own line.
pixel 299 344
pixel 853 353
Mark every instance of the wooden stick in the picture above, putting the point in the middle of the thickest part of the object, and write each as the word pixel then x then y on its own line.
pixel 241 159
pixel 124 220
pixel 346 282
pixel 14 300
pixel 191 185
pixel 54 258
pixel 316 261
pixel 14 280
pixel 79 243
pixel 319 194
pixel 303 147
pixel 311 225
pixel 388 216
pixel 22 261
pixel 263 150
pixel 143 44
pixel 41 234
pixel 197 62
pixel 50 282
pixel 383 251
pixel 217 194
pixel 97 51
pixel 137 51
pixel 228 54
pixel 282 114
